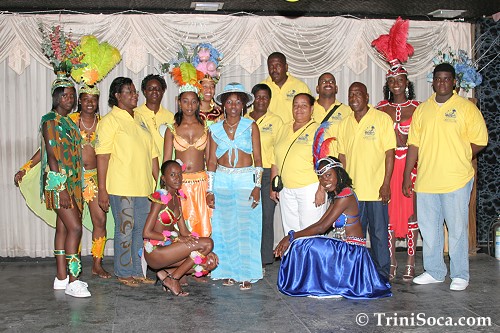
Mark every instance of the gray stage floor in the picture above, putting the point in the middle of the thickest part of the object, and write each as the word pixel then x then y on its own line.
pixel 28 304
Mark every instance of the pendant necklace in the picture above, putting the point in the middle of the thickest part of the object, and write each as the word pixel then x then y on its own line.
pixel 231 127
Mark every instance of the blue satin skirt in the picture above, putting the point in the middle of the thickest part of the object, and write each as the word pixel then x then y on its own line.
pixel 325 267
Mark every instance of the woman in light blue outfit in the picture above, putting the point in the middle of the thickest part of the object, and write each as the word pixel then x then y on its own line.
pixel 234 171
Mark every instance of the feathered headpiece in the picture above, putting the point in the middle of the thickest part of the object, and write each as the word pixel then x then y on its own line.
pixel 394 48
pixel 183 72
pixel 100 59
pixel 321 147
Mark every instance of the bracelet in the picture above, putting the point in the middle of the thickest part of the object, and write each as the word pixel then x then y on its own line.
pixel 291 236
pixel 258 176
pixel 210 181
pixel 26 167
pixel 55 181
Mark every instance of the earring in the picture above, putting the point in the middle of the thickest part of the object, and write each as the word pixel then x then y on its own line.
pixel 225 115
pixel 389 95
pixel 407 92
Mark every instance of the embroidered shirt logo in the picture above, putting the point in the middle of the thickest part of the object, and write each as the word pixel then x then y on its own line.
pixel 291 94
pixel 267 128
pixel 336 117
pixel 303 139
pixel 451 115
pixel 370 133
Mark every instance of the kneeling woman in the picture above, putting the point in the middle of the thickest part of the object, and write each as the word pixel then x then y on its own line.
pixel 174 253
pixel 320 266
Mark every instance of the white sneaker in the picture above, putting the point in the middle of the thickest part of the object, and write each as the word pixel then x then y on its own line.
pixel 60 284
pixel 426 278
pixel 458 284
pixel 77 288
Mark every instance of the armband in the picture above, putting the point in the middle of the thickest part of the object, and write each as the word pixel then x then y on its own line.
pixel 26 167
pixel 55 181
pixel 211 177
pixel 258 176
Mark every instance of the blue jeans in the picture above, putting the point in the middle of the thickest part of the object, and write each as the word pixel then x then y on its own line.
pixel 130 214
pixel 433 209
pixel 375 218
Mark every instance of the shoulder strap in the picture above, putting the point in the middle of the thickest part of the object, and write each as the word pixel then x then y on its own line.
pixel 330 113
pixel 283 164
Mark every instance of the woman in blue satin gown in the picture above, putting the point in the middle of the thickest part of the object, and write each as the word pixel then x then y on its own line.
pixel 320 266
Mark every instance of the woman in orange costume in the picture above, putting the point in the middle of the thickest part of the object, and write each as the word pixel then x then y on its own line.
pixel 189 137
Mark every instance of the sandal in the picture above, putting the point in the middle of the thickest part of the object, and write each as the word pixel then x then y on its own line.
pixel 410 273
pixel 392 273
pixel 144 280
pixel 229 282
pixel 245 285
pixel 130 282
pixel 166 288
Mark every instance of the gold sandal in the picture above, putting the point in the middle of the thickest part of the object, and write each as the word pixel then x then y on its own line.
pixel 130 282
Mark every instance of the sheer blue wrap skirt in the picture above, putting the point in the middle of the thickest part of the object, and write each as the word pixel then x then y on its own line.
pixel 327 267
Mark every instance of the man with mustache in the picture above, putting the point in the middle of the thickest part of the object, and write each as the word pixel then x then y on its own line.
pixel 283 85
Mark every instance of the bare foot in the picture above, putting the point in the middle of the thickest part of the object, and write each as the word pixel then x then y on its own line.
pixel 99 271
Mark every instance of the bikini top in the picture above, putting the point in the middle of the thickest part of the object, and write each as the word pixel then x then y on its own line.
pixel 180 144
pixel 341 221
pixel 166 216
pixel 89 138
pixel 242 139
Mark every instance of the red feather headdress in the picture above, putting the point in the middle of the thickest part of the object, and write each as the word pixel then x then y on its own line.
pixel 394 48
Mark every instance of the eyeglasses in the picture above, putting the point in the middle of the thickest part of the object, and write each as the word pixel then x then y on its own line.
pixel 130 92
pixel 327 81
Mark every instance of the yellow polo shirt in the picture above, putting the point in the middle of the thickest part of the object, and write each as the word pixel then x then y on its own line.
pixel 364 145
pixel 298 169
pixel 130 171
pixel 282 98
pixel 269 125
pixel 443 135
pixel 153 122
pixel 319 113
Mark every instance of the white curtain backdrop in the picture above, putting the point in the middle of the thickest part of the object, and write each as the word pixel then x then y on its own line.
pixel 312 46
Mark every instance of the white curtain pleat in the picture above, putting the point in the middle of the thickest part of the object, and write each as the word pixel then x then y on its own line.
pixel 312 45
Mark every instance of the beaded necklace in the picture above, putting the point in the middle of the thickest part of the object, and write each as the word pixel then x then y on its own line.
pixel 401 130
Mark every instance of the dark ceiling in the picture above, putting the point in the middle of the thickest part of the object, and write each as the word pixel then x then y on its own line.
pixel 474 9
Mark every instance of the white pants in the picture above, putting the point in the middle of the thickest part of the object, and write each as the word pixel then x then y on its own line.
pixel 298 210
pixel 278 226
